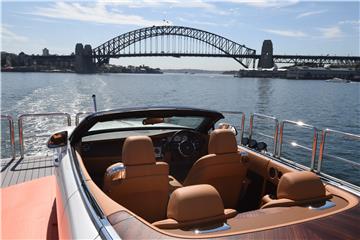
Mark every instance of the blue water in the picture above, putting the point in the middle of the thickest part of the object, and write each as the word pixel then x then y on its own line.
pixel 319 103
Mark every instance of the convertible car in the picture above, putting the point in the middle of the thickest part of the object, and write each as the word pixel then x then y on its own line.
pixel 156 173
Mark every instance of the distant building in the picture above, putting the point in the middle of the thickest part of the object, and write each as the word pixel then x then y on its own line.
pixel 45 52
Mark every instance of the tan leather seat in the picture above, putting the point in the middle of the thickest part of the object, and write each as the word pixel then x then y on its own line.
pixel 223 167
pixel 195 206
pixel 297 188
pixel 143 189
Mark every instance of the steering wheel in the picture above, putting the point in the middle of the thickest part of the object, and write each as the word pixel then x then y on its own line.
pixel 186 144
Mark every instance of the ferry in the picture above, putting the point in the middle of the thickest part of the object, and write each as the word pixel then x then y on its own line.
pixel 170 173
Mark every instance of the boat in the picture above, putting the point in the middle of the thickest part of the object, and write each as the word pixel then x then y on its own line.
pixel 179 172
pixel 338 80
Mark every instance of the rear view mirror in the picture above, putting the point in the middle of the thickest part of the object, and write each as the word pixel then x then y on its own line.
pixel 58 140
pixel 148 121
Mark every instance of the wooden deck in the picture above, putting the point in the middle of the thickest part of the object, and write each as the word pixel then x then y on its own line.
pixel 14 171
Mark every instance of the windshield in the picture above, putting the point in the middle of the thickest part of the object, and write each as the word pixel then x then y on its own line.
pixel 191 122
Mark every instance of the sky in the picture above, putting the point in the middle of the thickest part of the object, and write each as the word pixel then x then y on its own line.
pixel 295 27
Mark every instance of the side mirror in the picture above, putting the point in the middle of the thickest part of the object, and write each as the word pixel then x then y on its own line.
pixel 58 140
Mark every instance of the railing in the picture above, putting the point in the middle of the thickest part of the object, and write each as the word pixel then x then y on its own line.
pixel 12 133
pixel 302 125
pixel 278 136
pixel 322 147
pixel 349 136
pixel 242 124
pixel 20 124
pixel 276 128
pixel 77 117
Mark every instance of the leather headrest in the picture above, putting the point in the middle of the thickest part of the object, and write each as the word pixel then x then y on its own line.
pixel 299 186
pixel 222 141
pixel 138 150
pixel 194 203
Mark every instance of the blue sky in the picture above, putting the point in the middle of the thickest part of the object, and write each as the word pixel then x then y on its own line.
pixel 295 27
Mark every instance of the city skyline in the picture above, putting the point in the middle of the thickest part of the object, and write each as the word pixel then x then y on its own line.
pixel 295 27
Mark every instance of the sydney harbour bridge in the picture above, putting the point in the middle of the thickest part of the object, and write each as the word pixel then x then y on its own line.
pixel 180 41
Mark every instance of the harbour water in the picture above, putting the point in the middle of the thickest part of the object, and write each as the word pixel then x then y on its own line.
pixel 319 103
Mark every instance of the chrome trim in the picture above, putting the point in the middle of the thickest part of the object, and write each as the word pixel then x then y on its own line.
pixel 12 133
pixel 276 128
pixel 108 230
pixel 322 146
pixel 119 170
pixel 302 125
pixel 340 183
pixel 20 124
pixel 242 124
pixel 224 227
pixel 77 117
pixel 327 205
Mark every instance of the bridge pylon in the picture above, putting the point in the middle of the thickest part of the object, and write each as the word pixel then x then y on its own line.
pixel 266 58
pixel 83 59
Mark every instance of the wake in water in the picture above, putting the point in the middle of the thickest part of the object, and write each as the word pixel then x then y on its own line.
pixel 335 106
pixel 70 98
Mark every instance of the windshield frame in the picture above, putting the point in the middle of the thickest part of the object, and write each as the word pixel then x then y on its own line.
pixel 126 124
pixel 210 118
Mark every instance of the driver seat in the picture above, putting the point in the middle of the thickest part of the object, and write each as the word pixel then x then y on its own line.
pixel 224 167
pixel 139 183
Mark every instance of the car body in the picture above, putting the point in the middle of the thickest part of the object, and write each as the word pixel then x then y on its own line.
pixel 180 137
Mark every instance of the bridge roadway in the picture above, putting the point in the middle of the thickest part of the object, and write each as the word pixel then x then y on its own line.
pixel 277 58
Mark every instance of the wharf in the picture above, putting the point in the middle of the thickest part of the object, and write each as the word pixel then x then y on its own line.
pixel 19 170
pixel 311 73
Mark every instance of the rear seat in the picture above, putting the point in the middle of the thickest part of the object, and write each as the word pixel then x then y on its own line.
pixel 297 188
pixel 195 206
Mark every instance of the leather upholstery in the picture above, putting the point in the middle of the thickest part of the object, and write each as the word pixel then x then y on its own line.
pixel 195 202
pixel 297 188
pixel 144 190
pixel 194 206
pixel 224 169
pixel 138 150
pixel 173 184
pixel 222 141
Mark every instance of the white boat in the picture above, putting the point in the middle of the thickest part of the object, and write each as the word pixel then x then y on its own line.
pixel 338 80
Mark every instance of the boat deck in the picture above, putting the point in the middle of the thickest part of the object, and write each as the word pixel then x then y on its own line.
pixel 29 210
pixel 14 171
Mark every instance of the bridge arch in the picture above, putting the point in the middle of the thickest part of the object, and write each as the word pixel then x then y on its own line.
pixel 227 47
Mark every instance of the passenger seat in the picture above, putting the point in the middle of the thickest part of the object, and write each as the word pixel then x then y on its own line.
pixel 224 168
pixel 139 183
